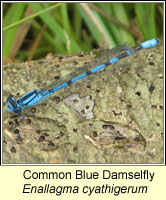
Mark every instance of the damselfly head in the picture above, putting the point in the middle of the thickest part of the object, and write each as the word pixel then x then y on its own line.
pixel 12 105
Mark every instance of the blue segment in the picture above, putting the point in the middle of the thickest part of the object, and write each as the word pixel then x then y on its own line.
pixel 60 87
pixel 149 43
pixel 29 97
pixel 97 68
pixel 128 52
pixel 79 77
pixel 34 97
pixel 114 60
pixel 46 94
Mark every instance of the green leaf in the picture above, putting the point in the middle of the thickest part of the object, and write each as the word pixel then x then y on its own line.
pixel 14 13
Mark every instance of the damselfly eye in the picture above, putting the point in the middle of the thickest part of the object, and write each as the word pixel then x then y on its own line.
pixel 12 105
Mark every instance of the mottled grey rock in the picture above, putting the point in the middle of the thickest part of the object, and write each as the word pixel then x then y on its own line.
pixel 113 116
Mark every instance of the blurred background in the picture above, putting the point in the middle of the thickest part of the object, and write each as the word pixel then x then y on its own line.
pixel 34 30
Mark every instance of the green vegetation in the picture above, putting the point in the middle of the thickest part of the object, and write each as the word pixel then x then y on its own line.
pixel 32 30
